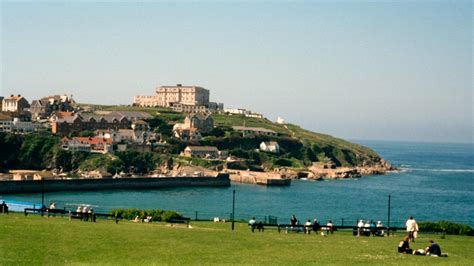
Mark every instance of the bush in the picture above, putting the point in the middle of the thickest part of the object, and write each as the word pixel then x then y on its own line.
pixel 449 227
pixel 157 215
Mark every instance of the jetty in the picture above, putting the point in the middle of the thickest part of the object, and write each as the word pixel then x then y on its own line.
pixel 258 178
pixel 86 184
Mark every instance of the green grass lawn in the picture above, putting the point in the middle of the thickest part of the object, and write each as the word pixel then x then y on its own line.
pixel 40 240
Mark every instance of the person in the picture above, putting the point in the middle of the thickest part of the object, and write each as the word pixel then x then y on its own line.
pixel 373 228
pixel 52 206
pixel 433 249
pixel 4 208
pixel 307 227
pixel 315 225
pixel 330 227
pixel 380 231
pixel 79 212
pixel 367 228
pixel 293 220
pixel 253 223
pixel 360 225
pixel 412 227
pixel 137 219
pixel 404 246
pixel 85 214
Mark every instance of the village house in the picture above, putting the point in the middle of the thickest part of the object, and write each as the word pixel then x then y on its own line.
pixel 202 152
pixel 203 122
pixel 87 144
pixel 254 131
pixel 80 122
pixel 187 134
pixel 270 146
pixel 193 125
pixel 45 106
pixel 14 103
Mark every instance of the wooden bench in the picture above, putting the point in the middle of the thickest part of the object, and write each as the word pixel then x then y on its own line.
pixel 183 220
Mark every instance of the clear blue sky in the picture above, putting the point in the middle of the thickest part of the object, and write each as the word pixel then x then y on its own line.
pixel 388 70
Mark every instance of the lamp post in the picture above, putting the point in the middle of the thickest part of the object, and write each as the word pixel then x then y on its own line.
pixel 42 195
pixel 388 220
pixel 233 208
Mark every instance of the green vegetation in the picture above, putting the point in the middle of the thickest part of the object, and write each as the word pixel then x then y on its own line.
pixel 299 148
pixel 157 215
pixel 40 240
pixel 448 227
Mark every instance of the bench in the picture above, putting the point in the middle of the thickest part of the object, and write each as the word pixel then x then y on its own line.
pixel 183 220
pixel 257 225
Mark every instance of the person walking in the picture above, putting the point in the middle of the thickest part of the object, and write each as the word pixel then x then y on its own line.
pixel 412 227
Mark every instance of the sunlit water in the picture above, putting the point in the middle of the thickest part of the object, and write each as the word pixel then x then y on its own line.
pixel 436 183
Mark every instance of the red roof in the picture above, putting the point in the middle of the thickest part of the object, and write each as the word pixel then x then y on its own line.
pixel 94 140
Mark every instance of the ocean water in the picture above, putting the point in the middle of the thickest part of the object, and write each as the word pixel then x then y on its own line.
pixel 436 182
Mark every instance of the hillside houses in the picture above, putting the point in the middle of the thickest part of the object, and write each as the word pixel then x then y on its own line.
pixel 45 106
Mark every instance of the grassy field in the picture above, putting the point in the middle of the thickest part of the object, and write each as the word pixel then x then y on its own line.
pixel 40 240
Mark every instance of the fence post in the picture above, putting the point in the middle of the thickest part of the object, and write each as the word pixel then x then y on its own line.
pixel 196 216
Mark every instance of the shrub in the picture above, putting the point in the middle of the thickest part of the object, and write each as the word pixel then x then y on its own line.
pixel 157 215
pixel 449 227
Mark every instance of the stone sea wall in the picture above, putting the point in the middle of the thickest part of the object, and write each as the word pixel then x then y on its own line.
pixel 50 185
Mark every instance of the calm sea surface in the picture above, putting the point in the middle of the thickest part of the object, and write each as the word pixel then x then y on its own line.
pixel 436 183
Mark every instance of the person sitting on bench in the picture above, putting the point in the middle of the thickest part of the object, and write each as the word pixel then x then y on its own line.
pixel 307 227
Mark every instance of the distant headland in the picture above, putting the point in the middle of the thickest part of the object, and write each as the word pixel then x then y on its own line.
pixel 176 132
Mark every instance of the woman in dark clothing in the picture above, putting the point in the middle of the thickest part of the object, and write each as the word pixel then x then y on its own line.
pixel 404 246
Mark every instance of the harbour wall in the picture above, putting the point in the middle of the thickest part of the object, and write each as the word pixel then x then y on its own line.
pixel 51 185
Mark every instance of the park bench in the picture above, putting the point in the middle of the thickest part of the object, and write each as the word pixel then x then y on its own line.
pixel 183 220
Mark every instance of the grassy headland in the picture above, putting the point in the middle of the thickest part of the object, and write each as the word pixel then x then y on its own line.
pixel 300 149
pixel 40 240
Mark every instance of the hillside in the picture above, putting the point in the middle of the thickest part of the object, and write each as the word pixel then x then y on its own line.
pixel 301 151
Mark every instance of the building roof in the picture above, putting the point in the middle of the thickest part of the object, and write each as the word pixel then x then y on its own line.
pixel 91 140
pixel 255 129
pixel 200 116
pixel 14 98
pixel 131 115
pixel 202 148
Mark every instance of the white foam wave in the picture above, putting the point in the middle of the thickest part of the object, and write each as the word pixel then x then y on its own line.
pixel 442 170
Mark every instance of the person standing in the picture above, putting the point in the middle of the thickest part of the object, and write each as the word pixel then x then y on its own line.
pixel 412 227
pixel 293 220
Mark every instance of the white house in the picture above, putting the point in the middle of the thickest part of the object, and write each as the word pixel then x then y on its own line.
pixel 270 146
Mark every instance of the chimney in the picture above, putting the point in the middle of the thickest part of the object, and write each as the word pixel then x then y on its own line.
pixel 179 84
pixel 11 95
pixel 19 95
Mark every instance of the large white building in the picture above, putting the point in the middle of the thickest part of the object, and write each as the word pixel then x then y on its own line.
pixel 166 96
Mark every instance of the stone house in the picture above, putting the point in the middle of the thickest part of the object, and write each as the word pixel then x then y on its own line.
pixel 203 122
pixel 187 134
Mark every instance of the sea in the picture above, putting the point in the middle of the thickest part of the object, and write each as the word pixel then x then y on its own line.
pixel 435 182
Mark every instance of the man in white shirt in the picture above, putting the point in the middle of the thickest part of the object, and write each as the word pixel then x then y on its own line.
pixel 412 227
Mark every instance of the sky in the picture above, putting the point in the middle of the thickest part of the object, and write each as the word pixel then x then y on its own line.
pixel 388 70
